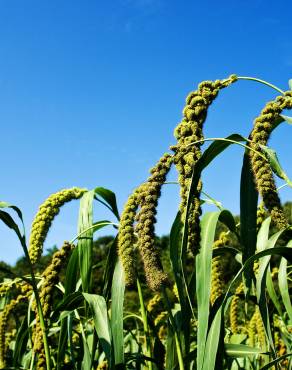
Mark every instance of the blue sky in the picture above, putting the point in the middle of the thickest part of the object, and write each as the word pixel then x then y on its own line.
pixel 91 91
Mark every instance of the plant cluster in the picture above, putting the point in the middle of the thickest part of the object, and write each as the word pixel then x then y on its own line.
pixel 188 312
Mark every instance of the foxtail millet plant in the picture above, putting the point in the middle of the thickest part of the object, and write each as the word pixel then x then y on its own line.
pixel 191 330
pixel 127 239
pixel 148 198
pixel 44 218
pixel 189 135
pixel 263 175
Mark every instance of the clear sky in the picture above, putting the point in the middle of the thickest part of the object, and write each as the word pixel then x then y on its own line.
pixel 91 91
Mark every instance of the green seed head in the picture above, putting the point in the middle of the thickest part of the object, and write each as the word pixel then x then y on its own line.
pixel 126 237
pixel 146 220
pixel 43 219
pixel 190 130
pixel 217 277
pixel 234 310
pixel 263 175
pixel 4 315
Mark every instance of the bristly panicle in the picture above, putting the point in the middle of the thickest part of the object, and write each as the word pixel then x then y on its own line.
pixel 217 278
pixel 43 219
pixel 4 315
pixel 187 151
pixel 261 215
pixel 256 330
pixel 263 175
pixel 235 310
pixel 50 279
pixel 126 238
pixel 148 199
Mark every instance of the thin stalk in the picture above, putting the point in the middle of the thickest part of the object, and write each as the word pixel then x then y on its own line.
pixel 38 302
pixel 282 186
pixel 228 140
pixel 177 341
pixel 145 323
pixel 130 316
pixel 92 227
pixel 262 82
pixel 214 201
pixel 32 360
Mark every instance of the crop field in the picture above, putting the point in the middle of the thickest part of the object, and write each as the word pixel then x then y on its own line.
pixel 213 294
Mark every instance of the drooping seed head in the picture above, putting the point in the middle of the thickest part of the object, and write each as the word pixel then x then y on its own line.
pixel 146 220
pixel 189 135
pixel 263 174
pixel 235 309
pixel 126 237
pixel 43 219
pixel 217 275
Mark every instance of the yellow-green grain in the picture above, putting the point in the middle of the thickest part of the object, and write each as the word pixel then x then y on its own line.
pixel 263 175
pixel 190 130
pixel 44 218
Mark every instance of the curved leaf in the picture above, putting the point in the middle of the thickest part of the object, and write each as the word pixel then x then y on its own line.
pixel 110 199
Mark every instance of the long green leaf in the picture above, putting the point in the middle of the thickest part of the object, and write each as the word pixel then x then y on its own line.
pixel 261 286
pixel 110 199
pixel 20 343
pixel 118 289
pixel 70 302
pixel 241 350
pixel 171 361
pixel 85 242
pixel 98 308
pixel 203 277
pixel 213 356
pixel 274 362
pixel 109 268
pixel 283 285
pixel 248 216
pixel 275 164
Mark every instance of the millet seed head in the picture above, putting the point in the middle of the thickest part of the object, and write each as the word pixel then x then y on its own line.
pixel 263 175
pixel 43 219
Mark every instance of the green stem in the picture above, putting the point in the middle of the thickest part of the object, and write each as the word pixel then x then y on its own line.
pixel 262 82
pixel 39 306
pixel 214 201
pixel 176 337
pixel 230 141
pixel 145 324
pixel 93 227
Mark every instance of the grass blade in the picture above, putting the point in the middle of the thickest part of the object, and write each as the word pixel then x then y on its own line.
pixel 283 285
pixel 110 199
pixel 98 308
pixel 241 350
pixel 248 216
pixel 85 242
pixel 203 278
pixel 118 289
